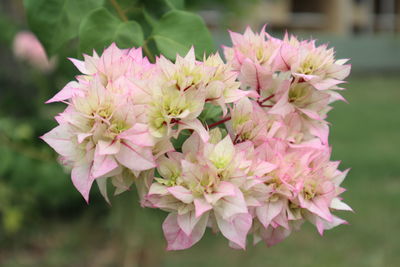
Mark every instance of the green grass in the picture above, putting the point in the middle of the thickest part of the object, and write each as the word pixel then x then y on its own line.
pixel 365 135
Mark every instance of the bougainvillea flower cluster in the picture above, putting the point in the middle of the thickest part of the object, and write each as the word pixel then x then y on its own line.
pixel 260 167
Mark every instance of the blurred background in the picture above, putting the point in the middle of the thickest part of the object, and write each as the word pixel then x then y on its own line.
pixel 45 222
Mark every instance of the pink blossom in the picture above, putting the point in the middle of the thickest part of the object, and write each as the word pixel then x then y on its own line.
pixel 314 64
pixel 206 181
pixel 27 47
pixel 102 136
pixel 262 169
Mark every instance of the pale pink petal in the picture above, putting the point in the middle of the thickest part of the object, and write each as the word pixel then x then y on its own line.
pixel 282 107
pixel 311 113
pixel 322 224
pixel 340 178
pixel 196 126
pixel 102 184
pixel 80 65
pixel 337 204
pixel 335 222
pixel 320 130
pixel 69 90
pixel 181 193
pixel 108 147
pixel 317 206
pixel 254 76
pixel 263 168
pixel 267 212
pixel 305 76
pixel 83 136
pixel 193 144
pixel 60 140
pixel 157 189
pixel 82 179
pixel 224 189
pixel 235 95
pixel 91 63
pixel 135 158
pixel 273 236
pixel 339 71
pixel 229 206
pixel 325 84
pixel 103 165
pixel 236 228
pixel 335 96
pixel 138 134
pixel 176 237
pixel 190 56
pixel 187 222
pixel 201 206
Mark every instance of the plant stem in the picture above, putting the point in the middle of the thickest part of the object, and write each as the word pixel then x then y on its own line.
pixel 219 122
pixel 266 99
pixel 124 18
pixel 147 51
pixel 119 10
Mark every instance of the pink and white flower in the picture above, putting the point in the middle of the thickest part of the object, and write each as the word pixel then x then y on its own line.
pixel 99 135
pixel 202 186
pixel 263 169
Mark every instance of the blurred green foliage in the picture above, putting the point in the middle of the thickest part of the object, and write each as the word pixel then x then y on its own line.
pixel 157 25
pixel 100 28
pixel 191 32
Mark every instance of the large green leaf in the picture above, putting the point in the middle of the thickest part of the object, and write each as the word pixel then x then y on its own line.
pixel 57 21
pixel 178 30
pixel 100 28
pixel 175 4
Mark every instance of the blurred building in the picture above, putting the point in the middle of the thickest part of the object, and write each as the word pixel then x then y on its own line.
pixel 341 17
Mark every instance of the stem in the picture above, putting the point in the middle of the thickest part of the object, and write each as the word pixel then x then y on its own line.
pixel 266 99
pixel 236 139
pixel 265 106
pixel 147 52
pixel 119 10
pixel 173 120
pixel 124 18
pixel 219 122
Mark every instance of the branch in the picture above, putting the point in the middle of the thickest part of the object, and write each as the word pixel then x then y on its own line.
pixel 266 99
pixel 219 122
pixel 147 52
pixel 119 10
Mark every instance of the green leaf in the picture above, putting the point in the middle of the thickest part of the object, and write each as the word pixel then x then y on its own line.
pixel 175 4
pixel 100 28
pixel 56 22
pixel 149 18
pixel 178 142
pixel 210 113
pixel 178 30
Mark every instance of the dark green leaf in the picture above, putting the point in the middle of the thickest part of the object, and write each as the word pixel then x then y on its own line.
pixel 100 28
pixel 175 4
pixel 178 142
pixel 57 21
pixel 149 18
pixel 211 113
pixel 178 30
